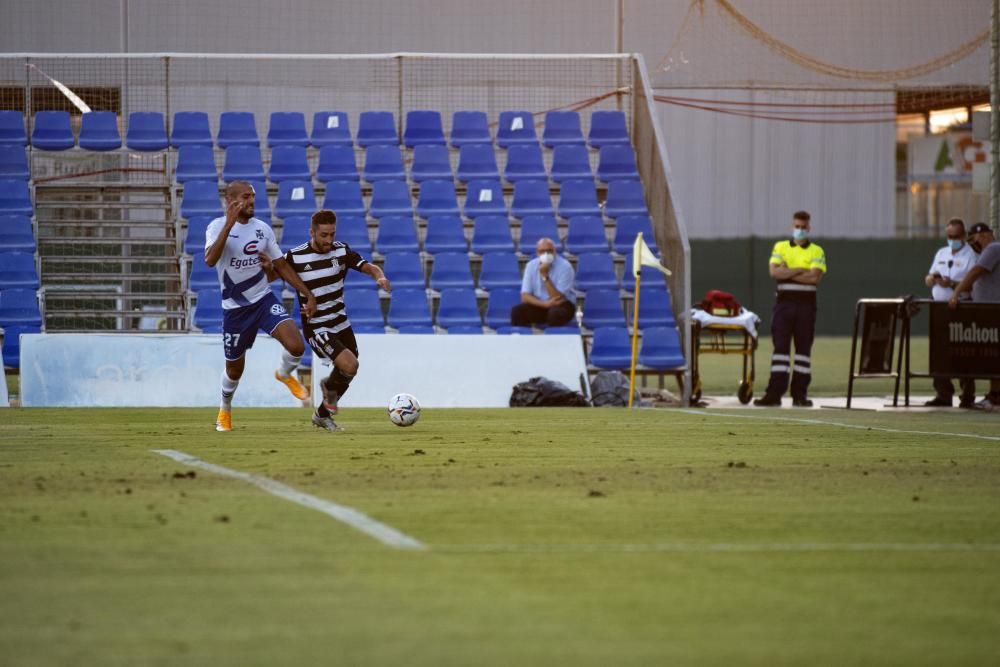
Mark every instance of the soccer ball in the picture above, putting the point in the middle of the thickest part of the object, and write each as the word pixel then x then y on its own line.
pixel 404 410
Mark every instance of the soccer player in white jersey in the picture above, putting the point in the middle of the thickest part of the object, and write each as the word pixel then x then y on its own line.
pixel 322 264
pixel 236 244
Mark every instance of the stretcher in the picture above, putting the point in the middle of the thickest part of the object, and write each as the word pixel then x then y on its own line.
pixel 713 334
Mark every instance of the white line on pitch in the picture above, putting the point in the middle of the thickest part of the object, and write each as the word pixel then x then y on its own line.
pixel 691 547
pixel 730 415
pixel 352 517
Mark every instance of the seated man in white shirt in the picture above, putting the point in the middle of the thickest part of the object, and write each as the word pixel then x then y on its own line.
pixel 547 295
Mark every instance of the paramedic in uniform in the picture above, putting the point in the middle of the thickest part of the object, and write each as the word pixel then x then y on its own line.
pixel 797 265
pixel 950 265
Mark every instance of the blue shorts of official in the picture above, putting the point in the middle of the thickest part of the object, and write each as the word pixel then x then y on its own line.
pixel 240 325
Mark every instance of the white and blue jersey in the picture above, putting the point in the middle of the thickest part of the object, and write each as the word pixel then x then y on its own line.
pixel 241 278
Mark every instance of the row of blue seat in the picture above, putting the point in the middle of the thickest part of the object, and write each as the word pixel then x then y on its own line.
pixel 445 233
pixel 146 130
pixel 385 163
pixel 458 307
pixel 18 270
pixel 577 197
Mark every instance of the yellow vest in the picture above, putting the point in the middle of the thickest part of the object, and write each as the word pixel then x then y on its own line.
pixel 794 256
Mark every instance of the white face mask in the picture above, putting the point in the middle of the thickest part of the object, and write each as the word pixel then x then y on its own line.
pixel 546 258
pixel 800 234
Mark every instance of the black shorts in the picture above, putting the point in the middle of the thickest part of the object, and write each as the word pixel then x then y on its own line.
pixel 328 345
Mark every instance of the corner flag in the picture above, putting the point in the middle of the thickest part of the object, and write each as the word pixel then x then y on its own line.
pixel 641 256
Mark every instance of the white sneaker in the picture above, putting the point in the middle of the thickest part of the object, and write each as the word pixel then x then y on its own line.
pixel 326 423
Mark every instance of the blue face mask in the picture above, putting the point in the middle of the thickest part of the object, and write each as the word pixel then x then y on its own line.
pixel 800 234
pixel 955 244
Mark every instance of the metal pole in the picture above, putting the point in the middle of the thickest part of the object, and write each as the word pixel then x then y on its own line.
pixel 995 117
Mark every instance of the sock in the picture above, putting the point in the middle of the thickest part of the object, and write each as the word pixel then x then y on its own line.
pixel 288 363
pixel 228 389
pixel 338 381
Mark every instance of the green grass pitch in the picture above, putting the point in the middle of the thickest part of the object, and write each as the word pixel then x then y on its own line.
pixel 555 536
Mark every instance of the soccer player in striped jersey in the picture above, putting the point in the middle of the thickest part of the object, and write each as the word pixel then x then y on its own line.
pixel 239 246
pixel 322 264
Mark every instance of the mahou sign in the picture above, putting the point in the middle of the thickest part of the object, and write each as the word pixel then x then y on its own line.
pixel 965 340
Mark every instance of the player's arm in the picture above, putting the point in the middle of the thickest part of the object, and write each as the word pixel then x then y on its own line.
pixel 288 274
pixel 782 272
pixel 268 266
pixel 378 275
pixel 809 276
pixel 214 251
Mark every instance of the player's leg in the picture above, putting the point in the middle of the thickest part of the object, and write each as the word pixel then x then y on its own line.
pixel 238 334
pixel 781 334
pixel 345 368
pixel 804 331
pixel 282 328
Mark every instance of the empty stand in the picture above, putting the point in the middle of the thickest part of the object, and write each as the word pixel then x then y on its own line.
pixel 655 309
pixel 12 344
pixel 353 230
pixel 525 162
pixel 52 131
pixel 408 308
pixel 627 227
pixel 287 128
pixel 243 163
pixel 458 309
pixel 596 270
pixel 611 348
pixel 331 128
pixel 498 308
pixel 451 269
pixel 18 271
pixel 390 198
pixel 195 163
pixel 364 308
pixel 585 233
pixel 19 307
pixel 377 127
pixel 383 163
pixel 484 198
pixel 16 234
pixel 337 163
pixel 608 128
pixel 15 197
pixel 344 198
pixel 616 163
pixel 469 127
pixel 531 197
pixel 14 162
pixel 603 308
pixel 237 128
pixel 194 241
pixel 578 197
pixel 491 233
pixel 423 127
pixel 12 128
pixel 562 128
pixel 430 162
pixel 477 161
pixel 500 271
pixel 295 231
pixel 405 271
pixel 208 310
pixel 288 163
pixel 99 131
pixel 571 161
pixel 190 128
pixel 146 131
pixel 201 198
pixel 437 198
pixel 535 227
pixel 445 233
pixel 661 348
pixel 625 198
pixel 295 198
pixel 650 276
pixel 397 233
pixel 516 127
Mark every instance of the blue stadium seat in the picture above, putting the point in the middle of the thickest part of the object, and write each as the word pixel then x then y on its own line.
pixel 390 198
pixel 626 229
pixel 437 198
pixel 147 131
pixel 15 197
pixel 344 198
pixel 363 308
pixel 423 127
pixel 190 129
pixel 661 348
pixel 397 233
pixel 208 310
pixel 596 270
pixel 287 128
pixel 650 276
pixel 508 330
pixel 430 162
pixel 484 198
pixel 195 163
pixel 516 127
pixel 202 276
pixel 470 127
pixel 578 197
pixel 408 308
pixel 570 161
pixel 357 280
pixel 243 163
pixel 52 131
pixel 608 128
pixel 531 198
pixel 565 330
pixel 201 198
pixel 262 203
pixel 524 162
pixel 194 239
pixel 331 128
pixel 451 269
pixel 625 198
pixel 491 233
pixel 383 163
pixel 337 163
pixel 465 329
pixel 12 344
pixel 288 163
pixel 14 162
pixel 405 271
pixel 655 309
pixel 535 227
pixel 562 128
pixel 295 231
pixel 500 270
pixel 616 163
pixel 417 329
pixel 611 348
pixel 99 131
pixel 295 198
pixel 237 128
pixel 477 162
pixel 366 329
pixel 353 230
pixel 445 233
pixel 19 307
pixel 498 308
pixel 18 271
pixel 377 127
pixel 586 234
pixel 12 128
pixel 458 308
pixel 16 234
pixel 603 308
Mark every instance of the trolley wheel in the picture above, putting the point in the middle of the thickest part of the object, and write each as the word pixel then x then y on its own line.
pixel 745 392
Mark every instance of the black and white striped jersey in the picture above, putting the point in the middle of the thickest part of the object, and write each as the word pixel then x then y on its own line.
pixel 323 274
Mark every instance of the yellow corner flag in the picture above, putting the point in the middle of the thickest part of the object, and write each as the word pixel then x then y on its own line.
pixel 641 256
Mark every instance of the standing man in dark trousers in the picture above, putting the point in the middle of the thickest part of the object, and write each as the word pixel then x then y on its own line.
pixel 797 265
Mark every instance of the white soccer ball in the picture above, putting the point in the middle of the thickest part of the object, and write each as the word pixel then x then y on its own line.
pixel 404 410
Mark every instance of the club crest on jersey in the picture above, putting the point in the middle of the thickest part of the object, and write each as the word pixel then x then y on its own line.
pixel 250 248
pixel 260 234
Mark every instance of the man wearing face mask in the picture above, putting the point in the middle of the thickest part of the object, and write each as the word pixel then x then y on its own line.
pixel 797 265
pixel 547 295
pixel 950 265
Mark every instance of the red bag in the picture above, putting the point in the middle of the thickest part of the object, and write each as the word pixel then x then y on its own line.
pixel 722 304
